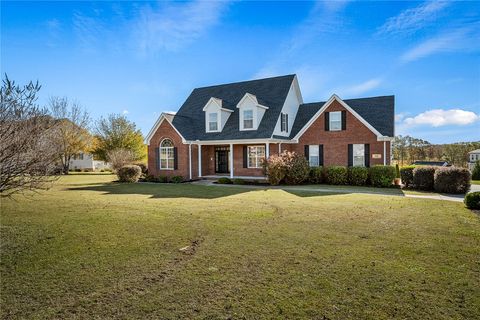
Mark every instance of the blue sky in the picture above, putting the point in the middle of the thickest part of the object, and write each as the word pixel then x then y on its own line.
pixel 142 58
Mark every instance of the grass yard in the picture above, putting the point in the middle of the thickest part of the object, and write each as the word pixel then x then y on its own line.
pixel 91 248
pixel 475 181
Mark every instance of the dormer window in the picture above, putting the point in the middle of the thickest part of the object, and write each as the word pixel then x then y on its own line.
pixel 247 119
pixel 213 121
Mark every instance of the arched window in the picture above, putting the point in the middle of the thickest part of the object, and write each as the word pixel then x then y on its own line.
pixel 167 156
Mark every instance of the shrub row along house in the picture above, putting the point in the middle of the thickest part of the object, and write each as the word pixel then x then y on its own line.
pixel 229 129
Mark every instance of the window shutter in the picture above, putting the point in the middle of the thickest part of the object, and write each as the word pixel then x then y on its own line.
pixel 367 155
pixel 286 122
pixel 157 158
pixel 307 149
pixel 281 123
pixel 344 120
pixel 350 155
pixel 175 158
pixel 320 154
pixel 327 121
pixel 245 157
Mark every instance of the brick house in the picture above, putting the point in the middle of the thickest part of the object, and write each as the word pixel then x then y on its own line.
pixel 226 130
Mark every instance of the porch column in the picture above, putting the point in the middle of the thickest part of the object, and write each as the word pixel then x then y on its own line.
pixel 231 160
pixel 279 148
pixel 190 161
pixel 199 160
pixel 267 150
pixel 384 153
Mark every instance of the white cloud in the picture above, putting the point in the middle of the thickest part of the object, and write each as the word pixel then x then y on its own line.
pixel 125 112
pixel 399 117
pixel 411 20
pixel 171 26
pixel 361 87
pixel 441 117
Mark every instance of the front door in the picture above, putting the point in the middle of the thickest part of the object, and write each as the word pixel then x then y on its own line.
pixel 221 159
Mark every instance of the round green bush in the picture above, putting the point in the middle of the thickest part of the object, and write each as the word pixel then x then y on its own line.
pixel 129 173
pixel 176 179
pixel 424 178
pixel 162 179
pixel 452 180
pixel 382 176
pixel 472 200
pixel 336 175
pixel 316 175
pixel 357 176
pixel 224 180
pixel 406 174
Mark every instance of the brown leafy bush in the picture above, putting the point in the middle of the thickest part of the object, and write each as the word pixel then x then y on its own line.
pixel 130 173
pixel 452 180
pixel 424 178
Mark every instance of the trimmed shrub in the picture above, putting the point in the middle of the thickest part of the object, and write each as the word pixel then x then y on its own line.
pixel 130 173
pixel 150 178
pixel 316 175
pixel 162 179
pixel 452 180
pixel 381 176
pixel 336 175
pixel 238 181
pixel 406 174
pixel 424 178
pixel 78 170
pixel 357 176
pixel 224 180
pixel 397 171
pixel 297 168
pixel 275 169
pixel 176 179
pixel 472 200
pixel 476 171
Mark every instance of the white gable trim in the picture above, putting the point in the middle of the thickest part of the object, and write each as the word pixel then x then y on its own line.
pixel 218 102
pixel 157 125
pixel 346 106
pixel 253 98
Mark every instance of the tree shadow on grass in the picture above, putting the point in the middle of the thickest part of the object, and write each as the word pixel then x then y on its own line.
pixel 184 190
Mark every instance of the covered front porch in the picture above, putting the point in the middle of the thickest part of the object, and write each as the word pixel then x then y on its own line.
pixel 234 160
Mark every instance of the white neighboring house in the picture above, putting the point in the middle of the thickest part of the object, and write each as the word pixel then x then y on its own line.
pixel 473 157
pixel 85 161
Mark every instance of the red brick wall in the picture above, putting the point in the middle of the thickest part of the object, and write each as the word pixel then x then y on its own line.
pixel 335 143
pixel 167 131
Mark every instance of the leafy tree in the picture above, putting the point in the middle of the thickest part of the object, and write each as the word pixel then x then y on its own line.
pixel 476 171
pixel 116 132
pixel 27 157
pixel 72 136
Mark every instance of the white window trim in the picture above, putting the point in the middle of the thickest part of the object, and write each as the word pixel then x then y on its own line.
pixel 330 121
pixel 258 160
pixel 310 153
pixel 242 120
pixel 363 155
pixel 167 158
pixel 208 122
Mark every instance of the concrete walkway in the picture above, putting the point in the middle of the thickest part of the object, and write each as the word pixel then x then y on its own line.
pixel 347 189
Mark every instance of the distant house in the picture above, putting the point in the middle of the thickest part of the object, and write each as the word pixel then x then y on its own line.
pixel 431 163
pixel 229 129
pixel 473 157
pixel 85 161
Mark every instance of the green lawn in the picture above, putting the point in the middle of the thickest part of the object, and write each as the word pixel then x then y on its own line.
pixel 475 181
pixel 91 248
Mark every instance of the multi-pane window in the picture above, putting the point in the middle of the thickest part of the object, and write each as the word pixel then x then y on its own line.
pixel 255 156
pixel 167 155
pixel 359 155
pixel 335 121
pixel 313 155
pixel 213 121
pixel 247 119
pixel 284 122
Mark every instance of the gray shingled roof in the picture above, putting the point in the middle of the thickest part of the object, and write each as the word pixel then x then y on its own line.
pixel 378 111
pixel 270 92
